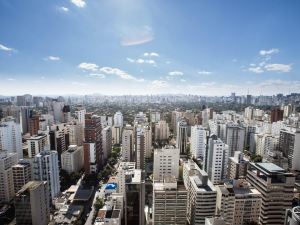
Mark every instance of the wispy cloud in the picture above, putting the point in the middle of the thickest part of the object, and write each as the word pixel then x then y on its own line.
pixel 182 80
pixel 88 66
pixel 78 84
pixel 52 58
pixel 142 61
pixel 268 52
pixel 7 49
pixel 120 73
pixel 137 36
pixel 97 75
pixel 151 54
pixel 79 3
pixel 176 73
pixel 284 68
pixel 64 9
pixel 11 79
pixel 257 69
pixel 204 72
pixel 159 84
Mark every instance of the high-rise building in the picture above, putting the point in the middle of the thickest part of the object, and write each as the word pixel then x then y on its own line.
pixel 292 216
pixel 237 166
pixel 32 204
pixel 21 174
pixel 235 136
pixel 36 144
pixel 181 141
pixel 45 168
pixel 11 137
pixel 59 139
pixel 276 114
pixel 216 160
pixel 118 119
pixel 238 203
pixel 289 145
pixel 106 142
pixel 72 159
pixel 58 110
pixel 7 161
pixel 276 187
pixel 92 146
pixel 76 134
pixel 116 135
pixel 169 202
pixel 162 130
pixel 34 124
pixel 123 169
pixel 140 148
pixel 166 163
pixel 202 195
pixel 80 116
pixel 127 144
pixel 154 117
pixel 198 141
pixel 175 117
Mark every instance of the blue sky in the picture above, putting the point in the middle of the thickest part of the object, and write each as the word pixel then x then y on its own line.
pixel 149 47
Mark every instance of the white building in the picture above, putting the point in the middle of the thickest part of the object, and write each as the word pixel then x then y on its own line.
pixel 162 131
pixel 36 144
pixel 116 134
pixel 76 134
pixel 11 137
pixel 45 167
pixel 80 116
pixel 202 195
pixel 7 161
pixel 154 117
pixel 123 169
pixel 198 141
pixel 118 119
pixel 235 137
pixel 72 159
pixel 127 144
pixel 58 111
pixel 166 163
pixel 237 166
pixel 216 160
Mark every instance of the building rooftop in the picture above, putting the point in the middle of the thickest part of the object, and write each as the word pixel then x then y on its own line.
pixel 270 167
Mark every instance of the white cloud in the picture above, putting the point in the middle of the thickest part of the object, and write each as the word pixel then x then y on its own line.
pixel 78 84
pixel 120 73
pixel 151 54
pixel 284 68
pixel 5 48
pixel 142 61
pixel 79 3
pixel 52 58
pixel 11 79
pixel 137 35
pixel 204 72
pixel 88 66
pixel 130 60
pixel 182 80
pixel 268 52
pixel 257 69
pixel 159 84
pixel 97 75
pixel 176 73
pixel 64 9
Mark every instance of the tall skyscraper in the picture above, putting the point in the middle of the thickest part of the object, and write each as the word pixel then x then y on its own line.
pixel 21 174
pixel 32 204
pixel 276 114
pixel 106 142
pixel 118 119
pixel 36 144
pixel 7 161
pixel 181 141
pixel 58 111
pixel 238 203
pixel 80 116
pixel 166 163
pixel 45 168
pixel 127 144
pixel 162 130
pixel 202 195
pixel 289 145
pixel 276 187
pixel 169 202
pixel 216 159
pixel 92 146
pixel 11 137
pixel 237 166
pixel 198 141
pixel 235 136
pixel 72 159
pixel 140 148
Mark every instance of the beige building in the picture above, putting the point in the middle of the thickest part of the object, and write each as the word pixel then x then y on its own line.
pixel 237 166
pixel 72 159
pixel 169 202
pixel 7 161
pixel 21 174
pixel 36 144
pixel 32 204
pixel 238 202
pixel 276 187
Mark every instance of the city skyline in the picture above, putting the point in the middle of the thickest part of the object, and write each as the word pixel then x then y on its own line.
pixel 142 47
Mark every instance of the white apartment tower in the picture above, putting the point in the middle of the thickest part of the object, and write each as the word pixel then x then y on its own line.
pixel 127 144
pixel 166 163
pixel 235 137
pixel 7 161
pixel 181 141
pixel 198 141
pixel 118 119
pixel 11 137
pixel 72 159
pixel 216 159
pixel 36 144
pixel 202 195
pixel 162 130
pixel 45 168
